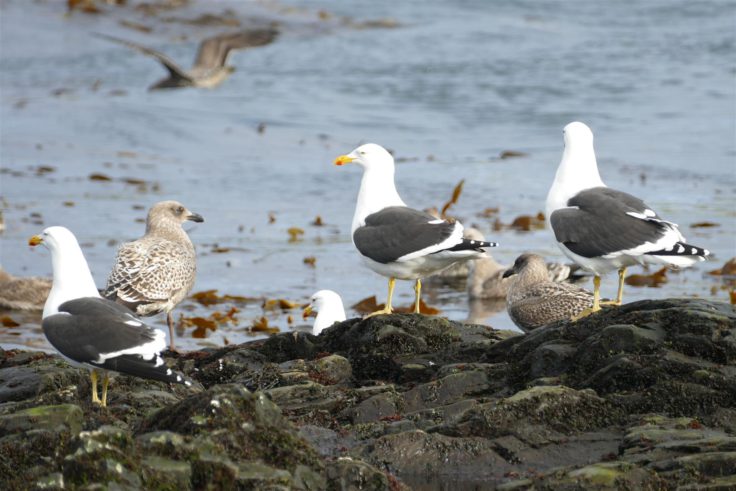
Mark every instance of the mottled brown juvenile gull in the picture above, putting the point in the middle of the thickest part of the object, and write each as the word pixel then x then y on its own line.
pixel 534 301
pixel 92 332
pixel 397 241
pixel 210 67
pixel 486 278
pixel 603 229
pixel 156 272
pixel 18 293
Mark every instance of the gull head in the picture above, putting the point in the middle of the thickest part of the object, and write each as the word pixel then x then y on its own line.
pixel 166 214
pixel 54 238
pixel 577 133
pixel 369 156
pixel 328 306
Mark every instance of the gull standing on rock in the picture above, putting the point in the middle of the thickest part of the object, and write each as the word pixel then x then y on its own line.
pixel 397 241
pixel 90 331
pixel 603 229
pixel 156 272
pixel 210 67
pixel 329 308
pixel 533 300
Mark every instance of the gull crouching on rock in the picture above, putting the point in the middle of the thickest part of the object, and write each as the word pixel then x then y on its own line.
pixel 533 300
pixel 329 309
pixel 156 272
pixel 90 331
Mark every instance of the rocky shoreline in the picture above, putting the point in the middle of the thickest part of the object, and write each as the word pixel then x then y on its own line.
pixel 638 397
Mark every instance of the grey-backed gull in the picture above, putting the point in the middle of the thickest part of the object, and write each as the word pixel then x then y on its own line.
pixel 397 241
pixel 90 331
pixel 603 229
pixel 328 306
pixel 210 67
pixel 156 272
pixel 533 300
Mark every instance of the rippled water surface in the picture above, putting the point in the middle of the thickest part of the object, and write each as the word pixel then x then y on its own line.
pixel 448 88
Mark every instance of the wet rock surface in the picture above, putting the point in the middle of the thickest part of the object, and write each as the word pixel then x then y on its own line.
pixel 642 396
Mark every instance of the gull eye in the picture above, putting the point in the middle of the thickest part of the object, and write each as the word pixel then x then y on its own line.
pixel 180 210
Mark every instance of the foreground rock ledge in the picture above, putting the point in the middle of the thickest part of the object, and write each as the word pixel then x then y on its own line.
pixel 642 396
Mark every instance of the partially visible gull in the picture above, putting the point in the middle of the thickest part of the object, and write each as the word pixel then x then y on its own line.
pixel 18 293
pixel 533 300
pixel 397 241
pixel 90 331
pixel 328 307
pixel 486 279
pixel 602 229
pixel 156 272
pixel 210 67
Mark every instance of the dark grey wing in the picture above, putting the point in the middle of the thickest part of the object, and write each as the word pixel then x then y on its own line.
pixel 213 51
pixel 397 231
pixel 173 69
pixel 602 220
pixel 86 328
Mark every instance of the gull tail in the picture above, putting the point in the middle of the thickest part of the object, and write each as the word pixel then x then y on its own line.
pixel 472 245
pixel 680 254
pixel 154 369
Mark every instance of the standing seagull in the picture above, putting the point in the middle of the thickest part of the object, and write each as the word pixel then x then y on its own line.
pixel 156 272
pixel 602 229
pixel 397 241
pixel 210 67
pixel 534 300
pixel 329 308
pixel 90 331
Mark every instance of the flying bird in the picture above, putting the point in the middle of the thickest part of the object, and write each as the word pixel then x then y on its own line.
pixel 210 66
pixel 156 272
pixel 90 331
pixel 603 229
pixel 397 241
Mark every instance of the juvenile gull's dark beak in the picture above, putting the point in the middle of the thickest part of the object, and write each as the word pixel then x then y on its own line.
pixel 508 272
pixel 195 217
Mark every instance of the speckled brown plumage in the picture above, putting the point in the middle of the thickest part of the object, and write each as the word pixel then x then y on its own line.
pixel 533 300
pixel 156 272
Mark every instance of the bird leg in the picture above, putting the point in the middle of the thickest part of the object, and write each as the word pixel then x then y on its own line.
pixel 418 291
pixel 170 321
pixel 620 294
pixel 596 300
pixel 105 382
pixel 387 309
pixel 93 377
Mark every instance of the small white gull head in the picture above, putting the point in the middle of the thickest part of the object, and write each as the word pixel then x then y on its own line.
pixel 329 308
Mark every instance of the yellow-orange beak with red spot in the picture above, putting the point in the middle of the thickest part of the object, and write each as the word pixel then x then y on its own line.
pixel 343 159
pixel 35 240
pixel 307 312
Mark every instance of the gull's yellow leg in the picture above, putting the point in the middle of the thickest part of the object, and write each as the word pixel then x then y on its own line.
pixel 620 294
pixel 93 376
pixel 596 300
pixel 105 382
pixel 387 309
pixel 418 291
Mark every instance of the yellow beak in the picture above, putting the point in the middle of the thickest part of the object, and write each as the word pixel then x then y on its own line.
pixel 35 240
pixel 307 312
pixel 343 159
